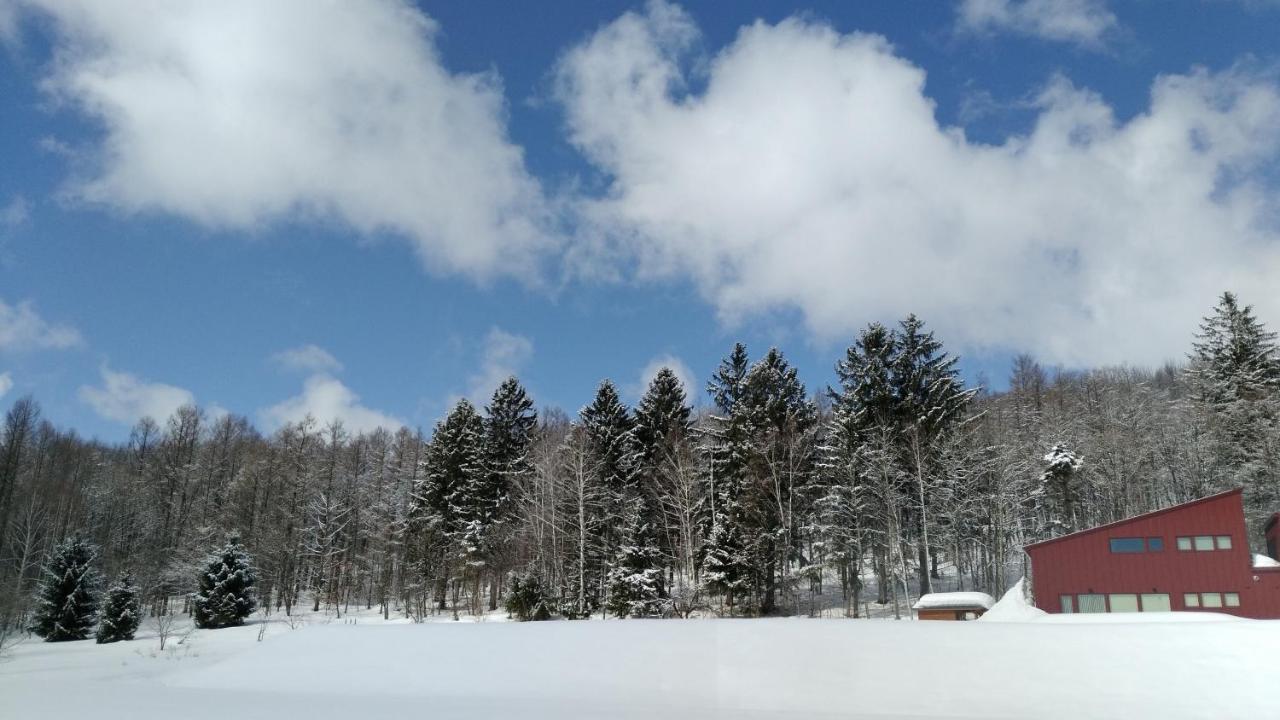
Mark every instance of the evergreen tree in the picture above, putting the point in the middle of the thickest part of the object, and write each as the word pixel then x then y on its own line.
pixel 662 433
pixel 612 438
pixel 527 599
pixel 1235 376
pixel 452 503
pixel 67 603
pixel 1060 492
pixel 635 575
pixel 225 595
pixel 613 459
pixel 1234 356
pixel 726 442
pixel 509 425
pixel 121 612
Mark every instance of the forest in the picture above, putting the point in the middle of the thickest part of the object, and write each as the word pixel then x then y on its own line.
pixel 776 499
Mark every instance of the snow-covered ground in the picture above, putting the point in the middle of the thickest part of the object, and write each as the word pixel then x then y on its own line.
pixel 363 667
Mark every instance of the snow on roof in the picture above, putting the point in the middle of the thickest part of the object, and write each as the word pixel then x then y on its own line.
pixel 1262 561
pixel 934 601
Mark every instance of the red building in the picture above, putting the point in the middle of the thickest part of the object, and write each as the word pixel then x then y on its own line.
pixel 1189 557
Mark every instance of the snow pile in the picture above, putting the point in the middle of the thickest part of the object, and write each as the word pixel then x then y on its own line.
pixel 690 670
pixel 934 601
pixel 1263 561
pixel 1013 607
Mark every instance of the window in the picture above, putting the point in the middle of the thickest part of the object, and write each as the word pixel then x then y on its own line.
pixel 1126 545
pixel 1155 602
pixel 1231 599
pixel 1155 544
pixel 1065 602
pixel 1211 600
pixel 1191 600
pixel 1224 542
pixel 1184 543
pixel 1204 542
pixel 1093 603
pixel 1123 602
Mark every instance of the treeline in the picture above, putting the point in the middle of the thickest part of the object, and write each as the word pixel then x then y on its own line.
pixel 776 499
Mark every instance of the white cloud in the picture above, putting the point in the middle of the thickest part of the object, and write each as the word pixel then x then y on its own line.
pixel 15 213
pixel 811 174
pixel 325 398
pixel 308 358
pixel 502 355
pixel 677 366
pixel 22 328
pixel 127 398
pixel 1085 22
pixel 235 114
pixel 6 383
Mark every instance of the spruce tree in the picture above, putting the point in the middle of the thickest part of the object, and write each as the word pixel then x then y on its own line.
pixel 1235 377
pixel 225 597
pixel 1234 356
pixel 67 603
pixel 635 575
pixel 1060 493
pixel 121 612
pixel 451 500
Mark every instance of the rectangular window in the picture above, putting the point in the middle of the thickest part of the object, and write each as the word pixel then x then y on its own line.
pixel 1123 602
pixel 1155 544
pixel 1155 602
pixel 1065 602
pixel 1184 543
pixel 1093 603
pixel 1211 600
pixel 1231 599
pixel 1191 600
pixel 1224 542
pixel 1126 545
pixel 1204 542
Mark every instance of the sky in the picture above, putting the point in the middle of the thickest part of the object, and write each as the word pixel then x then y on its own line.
pixel 367 210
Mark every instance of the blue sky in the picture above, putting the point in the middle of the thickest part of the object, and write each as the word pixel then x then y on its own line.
pixel 367 211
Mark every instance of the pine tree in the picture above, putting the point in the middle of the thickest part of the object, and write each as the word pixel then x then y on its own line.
pixel 68 597
pixel 509 426
pixel 225 595
pixel 121 613
pixel 726 442
pixel 635 575
pixel 613 459
pixel 662 434
pixel 1060 490
pixel 451 502
pixel 1235 377
pixel 1234 356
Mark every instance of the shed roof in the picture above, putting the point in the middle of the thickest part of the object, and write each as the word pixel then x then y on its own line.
pixel 1143 516
pixel 956 600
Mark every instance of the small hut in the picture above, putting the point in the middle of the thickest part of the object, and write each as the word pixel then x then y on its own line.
pixel 953 606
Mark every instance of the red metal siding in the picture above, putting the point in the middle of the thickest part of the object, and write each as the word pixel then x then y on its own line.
pixel 1084 563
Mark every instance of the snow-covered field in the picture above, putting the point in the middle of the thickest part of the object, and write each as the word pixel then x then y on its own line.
pixel 1020 664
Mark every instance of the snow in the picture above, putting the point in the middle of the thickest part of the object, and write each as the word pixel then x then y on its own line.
pixel 1013 607
pixel 954 600
pixel 703 669
pixel 1263 561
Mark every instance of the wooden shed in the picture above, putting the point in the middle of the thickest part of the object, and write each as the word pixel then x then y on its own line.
pixel 953 606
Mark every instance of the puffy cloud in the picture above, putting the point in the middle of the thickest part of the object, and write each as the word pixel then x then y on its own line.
pixel 127 398
pixel 326 399
pixel 808 172
pixel 677 366
pixel 1085 22
pixel 308 358
pixel 22 328
pixel 16 212
pixel 6 383
pixel 235 114
pixel 502 355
